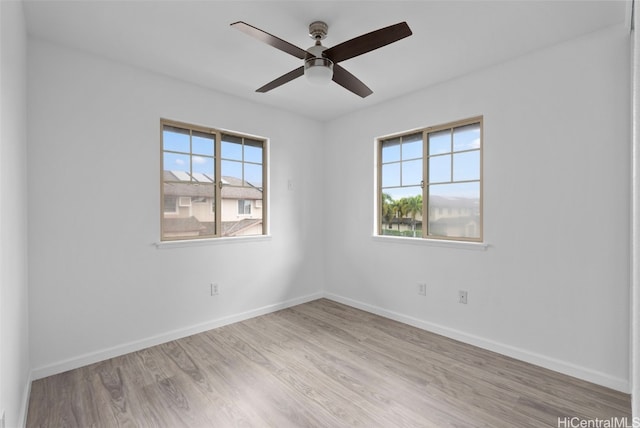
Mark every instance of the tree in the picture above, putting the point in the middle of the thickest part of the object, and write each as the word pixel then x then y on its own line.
pixel 413 207
pixel 400 209
pixel 387 211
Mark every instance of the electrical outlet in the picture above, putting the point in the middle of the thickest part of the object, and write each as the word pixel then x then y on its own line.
pixel 215 289
pixel 462 297
pixel 422 288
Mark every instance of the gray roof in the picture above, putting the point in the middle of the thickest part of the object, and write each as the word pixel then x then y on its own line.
pixel 453 202
pixel 182 225
pixel 203 186
pixel 193 225
pixel 232 228
pixel 455 221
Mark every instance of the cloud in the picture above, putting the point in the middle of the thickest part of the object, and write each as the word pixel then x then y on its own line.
pixel 198 160
pixel 180 162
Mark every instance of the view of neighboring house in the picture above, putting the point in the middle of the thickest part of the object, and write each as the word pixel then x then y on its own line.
pixel 448 216
pixel 454 216
pixel 189 206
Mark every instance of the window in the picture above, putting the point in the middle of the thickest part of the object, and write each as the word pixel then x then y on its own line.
pixel 170 204
pixel 430 182
pixel 206 176
pixel 244 207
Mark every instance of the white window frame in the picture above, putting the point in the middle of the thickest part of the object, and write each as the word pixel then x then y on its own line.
pixel 425 236
pixel 219 182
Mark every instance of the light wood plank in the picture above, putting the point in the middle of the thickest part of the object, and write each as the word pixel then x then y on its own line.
pixel 320 364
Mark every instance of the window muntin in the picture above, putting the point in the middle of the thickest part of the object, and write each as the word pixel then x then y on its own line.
pixel 433 175
pixel 205 173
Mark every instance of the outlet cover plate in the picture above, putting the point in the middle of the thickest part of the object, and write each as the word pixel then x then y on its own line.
pixel 462 297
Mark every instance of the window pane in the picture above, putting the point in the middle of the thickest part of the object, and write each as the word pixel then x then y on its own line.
pixel 231 147
pixel 234 204
pixel 203 165
pixel 176 162
pixel 391 150
pixel 253 174
pixel 440 142
pixel 412 172
pixel 412 146
pixel 252 151
pixel 231 169
pixel 401 212
pixel 202 144
pixel 454 210
pixel 175 139
pixel 241 170
pixel 440 169
pixel 194 175
pixel 466 137
pixel 391 174
pixel 466 166
pixel 449 164
pixel 188 210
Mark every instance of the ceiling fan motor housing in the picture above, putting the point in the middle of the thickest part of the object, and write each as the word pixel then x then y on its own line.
pixel 318 30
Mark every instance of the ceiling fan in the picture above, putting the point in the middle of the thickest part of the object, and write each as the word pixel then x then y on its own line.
pixel 321 63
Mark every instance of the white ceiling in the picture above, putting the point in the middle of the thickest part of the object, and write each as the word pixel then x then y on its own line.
pixel 192 40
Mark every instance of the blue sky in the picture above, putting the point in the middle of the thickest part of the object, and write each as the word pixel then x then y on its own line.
pixel 452 158
pixel 239 158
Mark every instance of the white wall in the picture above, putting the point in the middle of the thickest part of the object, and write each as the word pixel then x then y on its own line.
pixel 99 287
pixel 14 332
pixel 553 287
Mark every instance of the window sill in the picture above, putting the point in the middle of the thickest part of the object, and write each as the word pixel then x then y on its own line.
pixel 463 245
pixel 164 245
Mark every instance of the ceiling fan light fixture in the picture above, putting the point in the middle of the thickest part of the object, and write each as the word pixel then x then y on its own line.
pixel 318 71
pixel 321 62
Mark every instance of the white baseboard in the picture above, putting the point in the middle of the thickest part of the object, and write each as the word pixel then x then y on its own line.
pixel 560 366
pixel 619 384
pixel 125 348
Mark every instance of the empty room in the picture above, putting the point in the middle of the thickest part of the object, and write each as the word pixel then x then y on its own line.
pixel 319 213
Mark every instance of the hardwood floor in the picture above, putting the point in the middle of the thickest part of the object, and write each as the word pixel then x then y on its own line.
pixel 320 364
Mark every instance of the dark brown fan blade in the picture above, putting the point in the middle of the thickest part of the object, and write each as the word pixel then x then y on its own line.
pixel 293 74
pixel 350 82
pixel 270 39
pixel 368 42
